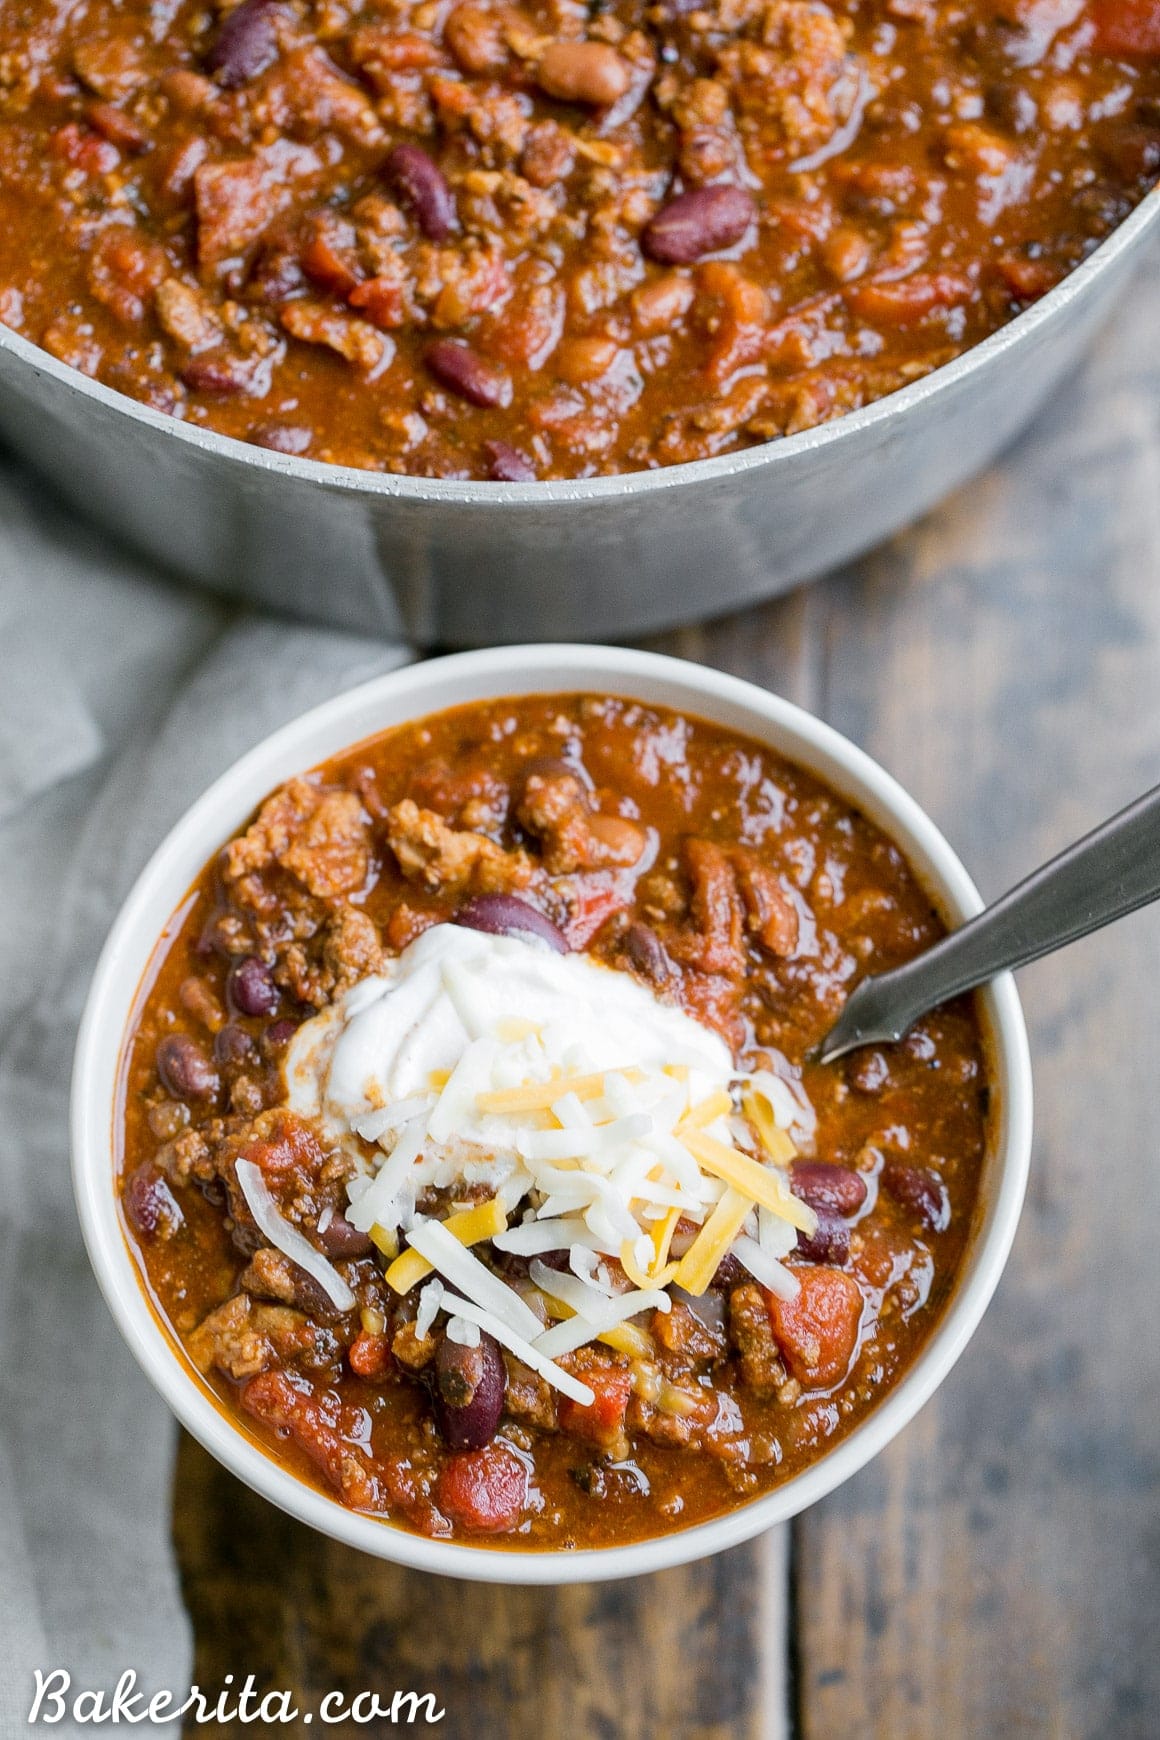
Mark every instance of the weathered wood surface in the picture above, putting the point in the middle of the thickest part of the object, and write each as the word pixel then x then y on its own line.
pixel 995 1573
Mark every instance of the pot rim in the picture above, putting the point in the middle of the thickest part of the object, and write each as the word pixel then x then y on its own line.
pixel 340 723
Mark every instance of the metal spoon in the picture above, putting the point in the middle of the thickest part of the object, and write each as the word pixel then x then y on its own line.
pixel 1109 873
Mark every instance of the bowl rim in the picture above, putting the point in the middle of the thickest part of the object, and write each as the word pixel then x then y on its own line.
pixel 480 494
pixel 427 688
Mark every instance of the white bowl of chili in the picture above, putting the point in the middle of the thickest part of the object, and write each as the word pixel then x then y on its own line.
pixel 145 927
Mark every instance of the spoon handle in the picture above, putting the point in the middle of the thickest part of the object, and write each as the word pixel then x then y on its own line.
pixel 1110 872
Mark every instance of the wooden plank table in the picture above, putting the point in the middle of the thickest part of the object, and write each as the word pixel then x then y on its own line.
pixel 996 1572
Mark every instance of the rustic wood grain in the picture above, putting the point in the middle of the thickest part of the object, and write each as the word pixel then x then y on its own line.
pixel 997 1571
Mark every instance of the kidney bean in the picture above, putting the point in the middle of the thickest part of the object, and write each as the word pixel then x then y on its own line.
pixel 824 1185
pixel 830 1243
pixel 470 1384
pixel 233 1046
pixel 697 223
pixel 251 987
pixel 343 1240
pixel 150 1204
pixel 506 465
pixel 282 437
pixel 422 188
pixel 649 955
pixel 184 1068
pixel 918 1189
pixel 278 1035
pixel 217 373
pixel 246 44
pixel 583 72
pixel 508 915
pixel 457 366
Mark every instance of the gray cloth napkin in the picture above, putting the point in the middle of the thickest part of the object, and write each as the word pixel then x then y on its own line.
pixel 121 698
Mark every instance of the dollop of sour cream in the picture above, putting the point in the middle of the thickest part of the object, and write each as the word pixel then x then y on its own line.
pixel 403 1059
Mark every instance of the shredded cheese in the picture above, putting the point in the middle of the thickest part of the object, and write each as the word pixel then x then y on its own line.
pixel 594 1116
pixel 774 1140
pixel 567 1337
pixel 457 1265
pixel 469 1226
pixel 703 1257
pixel 753 1180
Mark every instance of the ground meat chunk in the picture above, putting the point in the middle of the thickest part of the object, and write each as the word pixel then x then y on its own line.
pixel 242 1338
pixel 529 1397
pixel 320 837
pixel 733 895
pixel 412 1350
pixel 442 857
pixel 750 1331
pixel 798 74
pixel 680 1331
pixel 350 951
pixel 270 1274
pixel 555 807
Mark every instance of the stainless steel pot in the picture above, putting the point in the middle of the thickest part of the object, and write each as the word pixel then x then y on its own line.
pixel 473 563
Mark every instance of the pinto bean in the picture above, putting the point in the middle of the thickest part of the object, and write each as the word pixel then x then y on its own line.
pixel 508 915
pixel 457 366
pixel 423 189
pixel 824 1185
pixel 583 72
pixel 246 44
pixel 470 1383
pixel 185 1070
pixel 920 1190
pixel 251 987
pixel 697 223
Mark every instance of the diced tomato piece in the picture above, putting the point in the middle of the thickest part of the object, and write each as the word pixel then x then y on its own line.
pixel 291 1148
pixel 1127 27
pixel 381 300
pixel 818 1331
pixel 292 1405
pixel 328 255
pixel 84 149
pixel 603 1422
pixel 370 1356
pixel 594 899
pixel 902 301
pixel 484 1490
